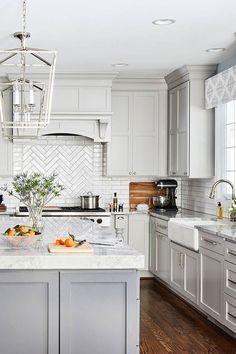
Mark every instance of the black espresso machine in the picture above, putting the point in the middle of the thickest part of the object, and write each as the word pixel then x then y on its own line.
pixel 166 195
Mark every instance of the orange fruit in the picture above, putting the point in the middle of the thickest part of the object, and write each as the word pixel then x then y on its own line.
pixel 11 232
pixel 62 241
pixel 31 233
pixel 23 229
pixel 69 242
pixel 58 242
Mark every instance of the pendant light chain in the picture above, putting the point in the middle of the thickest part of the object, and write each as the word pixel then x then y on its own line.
pixel 24 23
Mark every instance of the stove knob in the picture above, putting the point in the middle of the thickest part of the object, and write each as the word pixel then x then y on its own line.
pixel 92 220
pixel 99 221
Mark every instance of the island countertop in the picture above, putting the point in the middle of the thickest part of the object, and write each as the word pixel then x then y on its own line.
pixel 103 257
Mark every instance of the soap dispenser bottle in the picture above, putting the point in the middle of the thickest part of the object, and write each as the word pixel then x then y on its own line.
pixel 219 211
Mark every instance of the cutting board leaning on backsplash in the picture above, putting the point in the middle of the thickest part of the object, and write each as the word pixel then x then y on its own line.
pixel 142 192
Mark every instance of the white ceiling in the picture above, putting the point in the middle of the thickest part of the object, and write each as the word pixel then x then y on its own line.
pixel 90 35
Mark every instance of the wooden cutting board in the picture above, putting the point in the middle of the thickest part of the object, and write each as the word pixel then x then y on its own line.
pixel 84 248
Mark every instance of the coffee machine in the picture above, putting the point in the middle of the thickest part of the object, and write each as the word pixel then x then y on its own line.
pixel 166 194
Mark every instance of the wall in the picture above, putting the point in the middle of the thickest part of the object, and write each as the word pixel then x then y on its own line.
pixel 79 164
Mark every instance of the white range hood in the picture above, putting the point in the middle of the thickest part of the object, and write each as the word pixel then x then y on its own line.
pixel 81 106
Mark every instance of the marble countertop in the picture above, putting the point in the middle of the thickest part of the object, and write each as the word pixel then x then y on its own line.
pixel 103 257
pixel 181 213
pixel 227 230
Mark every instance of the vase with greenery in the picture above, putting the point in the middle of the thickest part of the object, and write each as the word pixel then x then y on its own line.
pixel 34 190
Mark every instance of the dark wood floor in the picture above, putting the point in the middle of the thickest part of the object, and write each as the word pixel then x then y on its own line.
pixel 170 325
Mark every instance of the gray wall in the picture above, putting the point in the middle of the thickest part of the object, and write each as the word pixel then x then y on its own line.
pixel 226 64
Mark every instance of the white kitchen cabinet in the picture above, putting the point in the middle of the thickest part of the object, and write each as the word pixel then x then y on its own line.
pixel 184 271
pixel 191 126
pixel 139 134
pixel 211 283
pixel 6 154
pixel 139 234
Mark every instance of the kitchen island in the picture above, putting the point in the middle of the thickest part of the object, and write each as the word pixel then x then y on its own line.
pixel 68 303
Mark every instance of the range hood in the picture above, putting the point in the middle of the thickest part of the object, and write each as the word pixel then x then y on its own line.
pixel 81 106
pixel 93 126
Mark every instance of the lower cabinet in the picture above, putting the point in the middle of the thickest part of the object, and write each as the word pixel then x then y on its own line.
pixel 184 275
pixel 69 312
pixel 211 283
pixel 163 264
pixel 139 235
pixel 29 320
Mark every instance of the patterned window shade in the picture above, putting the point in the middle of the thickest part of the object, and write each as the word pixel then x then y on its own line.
pixel 220 88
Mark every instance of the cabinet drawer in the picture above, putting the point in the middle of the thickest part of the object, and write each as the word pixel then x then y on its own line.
pixel 230 279
pixel 230 251
pixel 121 221
pixel 230 312
pixel 162 226
pixel 211 242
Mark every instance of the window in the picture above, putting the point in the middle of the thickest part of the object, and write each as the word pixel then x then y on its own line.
pixel 227 144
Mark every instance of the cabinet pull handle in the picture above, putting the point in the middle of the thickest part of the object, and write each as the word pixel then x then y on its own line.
pixel 120 217
pixel 134 173
pixel 130 173
pixel 173 173
pixel 211 242
pixel 185 173
pixel 232 281
pixel 232 253
pixel 230 314
pixel 182 260
pixel 162 227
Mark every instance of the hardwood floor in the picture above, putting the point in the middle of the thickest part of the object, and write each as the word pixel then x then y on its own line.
pixel 170 325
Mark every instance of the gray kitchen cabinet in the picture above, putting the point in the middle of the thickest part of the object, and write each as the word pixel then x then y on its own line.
pixel 139 235
pixel 178 130
pixel 211 283
pixel 163 267
pixel 99 312
pixel 159 249
pixel 190 154
pixel 138 144
pixel 184 275
pixel 153 246
pixel 29 312
pixel 6 154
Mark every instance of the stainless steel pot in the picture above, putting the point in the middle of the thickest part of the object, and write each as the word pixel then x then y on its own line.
pixel 160 201
pixel 89 201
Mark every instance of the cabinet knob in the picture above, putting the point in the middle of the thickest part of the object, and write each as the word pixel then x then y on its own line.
pixel 130 173
pixel 185 174
pixel 134 173
pixel 173 173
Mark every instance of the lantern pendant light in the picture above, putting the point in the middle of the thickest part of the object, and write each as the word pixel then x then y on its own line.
pixel 26 94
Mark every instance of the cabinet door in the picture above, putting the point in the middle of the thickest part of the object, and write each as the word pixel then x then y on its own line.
pixel 119 150
pixel 191 275
pixel 6 153
pixel 163 259
pixel 176 267
pixel 145 138
pixel 139 235
pixel 29 312
pixel 99 312
pixel 211 283
pixel 152 247
pixel 179 130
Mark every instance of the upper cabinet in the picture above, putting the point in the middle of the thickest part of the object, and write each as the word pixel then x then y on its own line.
pixel 138 133
pixel 191 126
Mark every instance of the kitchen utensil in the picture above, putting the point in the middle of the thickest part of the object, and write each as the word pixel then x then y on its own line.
pixel 160 201
pixel 89 201
pixel 84 248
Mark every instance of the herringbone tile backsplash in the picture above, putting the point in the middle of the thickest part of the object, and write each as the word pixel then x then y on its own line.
pixel 78 163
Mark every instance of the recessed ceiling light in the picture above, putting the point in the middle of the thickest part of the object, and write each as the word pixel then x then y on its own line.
pixel 120 65
pixel 163 21
pixel 215 50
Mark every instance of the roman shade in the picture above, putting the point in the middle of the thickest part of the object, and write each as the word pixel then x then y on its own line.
pixel 220 88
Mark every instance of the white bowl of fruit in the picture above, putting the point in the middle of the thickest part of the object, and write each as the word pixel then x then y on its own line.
pixel 20 236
